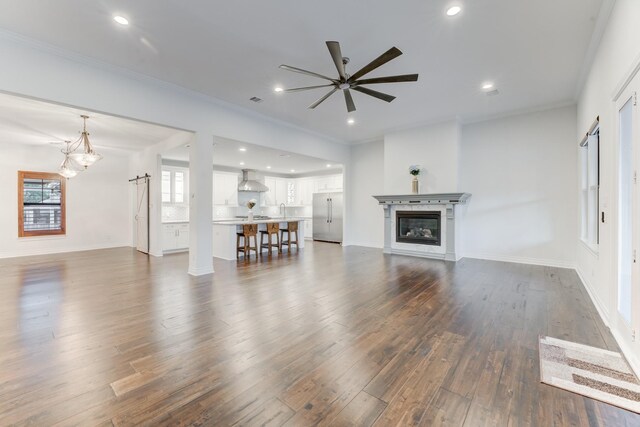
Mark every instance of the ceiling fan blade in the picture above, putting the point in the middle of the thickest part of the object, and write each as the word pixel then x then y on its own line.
pixel 392 53
pixel 321 100
pixel 375 93
pixel 349 100
pixel 389 79
pixel 309 73
pixel 336 55
pixel 298 89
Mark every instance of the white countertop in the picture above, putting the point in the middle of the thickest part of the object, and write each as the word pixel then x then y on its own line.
pixel 239 221
pixel 176 221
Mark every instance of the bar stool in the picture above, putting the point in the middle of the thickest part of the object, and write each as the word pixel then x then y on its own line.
pixel 292 227
pixel 248 231
pixel 272 229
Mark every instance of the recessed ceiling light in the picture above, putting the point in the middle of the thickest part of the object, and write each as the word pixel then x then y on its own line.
pixel 328 165
pixel 351 121
pixel 121 20
pixel 268 167
pixel 241 163
pixel 286 156
pixel 278 89
pixel 454 10
pixel 487 85
pixel 242 149
pixel 293 170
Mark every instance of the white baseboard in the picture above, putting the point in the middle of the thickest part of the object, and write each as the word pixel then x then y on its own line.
pixel 201 271
pixel 602 310
pixel 50 251
pixel 628 352
pixel 521 260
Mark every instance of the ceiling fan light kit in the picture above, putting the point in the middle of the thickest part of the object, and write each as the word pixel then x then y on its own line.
pixel 346 82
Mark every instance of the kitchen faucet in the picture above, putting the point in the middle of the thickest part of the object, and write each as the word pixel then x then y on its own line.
pixel 283 210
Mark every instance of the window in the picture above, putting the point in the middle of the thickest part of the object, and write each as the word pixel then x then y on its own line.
pixel 590 185
pixel 174 186
pixel 41 204
pixel 166 187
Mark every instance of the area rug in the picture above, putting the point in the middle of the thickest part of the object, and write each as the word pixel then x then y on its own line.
pixel 599 374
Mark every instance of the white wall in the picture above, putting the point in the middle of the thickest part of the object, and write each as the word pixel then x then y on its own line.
pixel 521 172
pixel 617 53
pixel 97 202
pixel 435 148
pixel 366 179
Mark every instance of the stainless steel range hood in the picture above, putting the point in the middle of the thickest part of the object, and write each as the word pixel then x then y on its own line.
pixel 249 182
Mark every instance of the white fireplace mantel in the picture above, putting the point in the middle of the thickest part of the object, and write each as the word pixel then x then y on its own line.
pixel 450 228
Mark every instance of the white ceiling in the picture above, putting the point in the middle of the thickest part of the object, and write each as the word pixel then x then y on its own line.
pixel 29 121
pixel 533 50
pixel 226 152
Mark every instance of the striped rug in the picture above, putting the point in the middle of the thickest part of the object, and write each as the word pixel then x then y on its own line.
pixel 599 374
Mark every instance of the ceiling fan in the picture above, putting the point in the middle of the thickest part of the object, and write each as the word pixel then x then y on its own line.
pixel 346 82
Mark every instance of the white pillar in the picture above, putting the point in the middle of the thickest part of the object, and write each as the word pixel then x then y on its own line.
pixel 201 205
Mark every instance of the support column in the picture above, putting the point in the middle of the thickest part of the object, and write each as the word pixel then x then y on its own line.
pixel 201 205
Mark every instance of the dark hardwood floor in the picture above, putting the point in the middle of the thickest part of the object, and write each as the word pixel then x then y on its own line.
pixel 328 336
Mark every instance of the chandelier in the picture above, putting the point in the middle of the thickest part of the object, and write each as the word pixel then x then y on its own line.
pixel 78 155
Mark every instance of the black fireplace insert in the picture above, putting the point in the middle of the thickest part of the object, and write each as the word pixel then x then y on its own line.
pixel 418 227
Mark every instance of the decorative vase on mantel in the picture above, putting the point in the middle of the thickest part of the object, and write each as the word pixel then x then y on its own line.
pixel 250 216
pixel 415 170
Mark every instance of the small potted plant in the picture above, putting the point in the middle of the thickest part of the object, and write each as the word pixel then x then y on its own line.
pixel 250 204
pixel 415 171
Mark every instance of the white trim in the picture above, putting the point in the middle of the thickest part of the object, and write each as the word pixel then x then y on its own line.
pixel 201 271
pixel 624 82
pixel 521 260
pixel 628 352
pixel 600 307
pixel 53 251
pixel 593 249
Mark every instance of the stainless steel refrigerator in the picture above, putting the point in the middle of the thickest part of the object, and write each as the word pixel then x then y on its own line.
pixel 327 217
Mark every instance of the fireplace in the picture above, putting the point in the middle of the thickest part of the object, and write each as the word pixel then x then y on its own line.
pixel 418 227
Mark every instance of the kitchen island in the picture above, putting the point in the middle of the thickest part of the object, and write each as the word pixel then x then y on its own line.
pixel 224 234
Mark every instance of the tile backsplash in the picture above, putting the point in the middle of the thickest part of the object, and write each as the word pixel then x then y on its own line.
pixel 172 212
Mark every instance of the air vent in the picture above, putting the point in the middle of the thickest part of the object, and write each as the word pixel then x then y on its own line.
pixel 493 93
pixel 255 99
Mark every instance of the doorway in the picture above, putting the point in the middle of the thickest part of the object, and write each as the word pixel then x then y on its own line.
pixel 628 218
pixel 142 213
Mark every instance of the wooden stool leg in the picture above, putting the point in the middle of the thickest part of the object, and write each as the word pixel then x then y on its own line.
pixel 296 239
pixel 261 242
pixel 269 244
pixel 255 245
pixel 237 246
pixel 279 244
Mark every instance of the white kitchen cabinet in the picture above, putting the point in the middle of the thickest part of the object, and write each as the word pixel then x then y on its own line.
pixel 308 229
pixel 328 183
pixel 225 189
pixel 183 236
pixel 304 191
pixel 278 191
pixel 269 197
pixel 281 191
pixel 175 236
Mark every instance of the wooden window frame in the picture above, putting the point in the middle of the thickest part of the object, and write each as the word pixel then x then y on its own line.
pixel 22 175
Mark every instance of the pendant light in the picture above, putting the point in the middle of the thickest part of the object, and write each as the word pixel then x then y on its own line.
pixel 88 155
pixel 67 169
